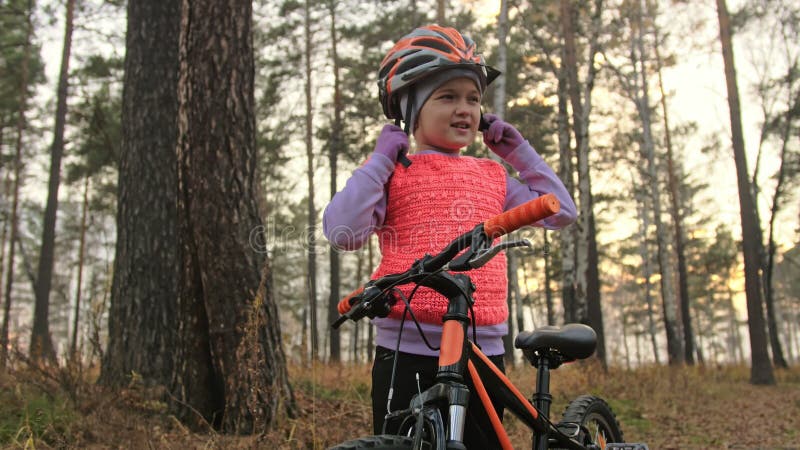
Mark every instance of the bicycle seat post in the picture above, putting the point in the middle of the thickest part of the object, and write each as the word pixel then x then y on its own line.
pixel 542 398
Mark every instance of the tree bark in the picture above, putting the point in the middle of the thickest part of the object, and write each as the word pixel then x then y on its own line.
pixel 777 199
pixel 644 252
pixel 312 210
pixel 41 348
pixel 677 217
pixel 548 293
pixel 588 278
pixel 144 289
pixel 568 235
pixel 335 148
pixel 761 369
pixel 642 100
pixel 769 293
pixel 230 366
pixel 499 107
pixel 14 217
pixel 73 348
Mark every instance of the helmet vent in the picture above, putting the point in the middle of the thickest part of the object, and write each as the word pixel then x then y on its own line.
pixel 413 63
pixel 434 44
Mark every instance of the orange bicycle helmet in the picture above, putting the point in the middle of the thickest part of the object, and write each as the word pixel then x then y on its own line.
pixel 422 53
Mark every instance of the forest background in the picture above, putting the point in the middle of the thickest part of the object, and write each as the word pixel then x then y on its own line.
pixel 643 137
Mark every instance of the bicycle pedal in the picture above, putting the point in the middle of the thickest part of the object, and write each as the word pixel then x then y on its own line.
pixel 626 446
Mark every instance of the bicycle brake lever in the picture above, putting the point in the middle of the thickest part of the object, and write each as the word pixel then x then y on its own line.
pixel 483 256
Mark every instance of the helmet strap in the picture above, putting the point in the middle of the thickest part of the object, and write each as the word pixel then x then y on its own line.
pixel 401 157
pixel 407 114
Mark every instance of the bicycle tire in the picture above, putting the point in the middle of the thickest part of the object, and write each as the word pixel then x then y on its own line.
pixel 383 441
pixel 598 424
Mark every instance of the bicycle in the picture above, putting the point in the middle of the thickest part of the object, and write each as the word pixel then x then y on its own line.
pixel 435 418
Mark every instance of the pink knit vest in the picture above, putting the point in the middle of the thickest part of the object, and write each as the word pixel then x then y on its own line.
pixel 436 199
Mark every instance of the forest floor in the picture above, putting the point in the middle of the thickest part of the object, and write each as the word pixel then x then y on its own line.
pixel 668 408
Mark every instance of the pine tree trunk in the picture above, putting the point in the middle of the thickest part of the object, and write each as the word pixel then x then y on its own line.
pixel 642 100
pixel 14 214
pixel 644 252
pixel 41 348
pixel 566 174
pixel 73 348
pixel 761 370
pixel 371 328
pixel 548 293
pixel 144 290
pixel 777 198
pixel 677 219
pixel 588 277
pixel 312 211
pixel 578 311
pixel 335 146
pixel 499 109
pixel 230 366
pixel 441 18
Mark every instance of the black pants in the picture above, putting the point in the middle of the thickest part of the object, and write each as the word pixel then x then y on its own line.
pixel 478 432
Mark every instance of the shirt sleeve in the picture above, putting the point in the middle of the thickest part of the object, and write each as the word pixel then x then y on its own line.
pixel 537 179
pixel 356 211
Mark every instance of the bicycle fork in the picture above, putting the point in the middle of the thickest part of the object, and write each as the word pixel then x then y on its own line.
pixel 454 353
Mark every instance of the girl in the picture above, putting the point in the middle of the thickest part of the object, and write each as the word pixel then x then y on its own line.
pixel 433 80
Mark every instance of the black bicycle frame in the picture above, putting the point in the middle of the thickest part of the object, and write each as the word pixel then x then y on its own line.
pixel 459 356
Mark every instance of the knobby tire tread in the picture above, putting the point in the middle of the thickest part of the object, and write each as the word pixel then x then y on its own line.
pixel 383 441
pixel 587 405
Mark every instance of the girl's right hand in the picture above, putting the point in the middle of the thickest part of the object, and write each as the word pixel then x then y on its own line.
pixel 391 142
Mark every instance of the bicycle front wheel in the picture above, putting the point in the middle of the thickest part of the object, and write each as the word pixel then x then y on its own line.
pixel 383 441
pixel 597 423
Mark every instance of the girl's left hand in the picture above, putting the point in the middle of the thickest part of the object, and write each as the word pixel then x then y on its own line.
pixel 501 137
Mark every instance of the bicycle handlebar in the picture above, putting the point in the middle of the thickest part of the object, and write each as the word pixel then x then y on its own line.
pixel 526 214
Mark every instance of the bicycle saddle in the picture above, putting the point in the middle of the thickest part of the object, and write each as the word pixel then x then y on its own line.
pixel 572 341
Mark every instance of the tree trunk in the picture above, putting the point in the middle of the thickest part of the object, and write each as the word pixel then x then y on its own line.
pixel 335 148
pixel 73 348
pixel 567 235
pixel 777 198
pixel 588 277
pixel 548 294
pixel 41 348
pixel 312 211
pixel 642 100
pixel 644 252
pixel 499 108
pixel 371 328
pixel 441 18
pixel 577 311
pixel 761 370
pixel 143 312
pixel 230 367
pixel 677 218
pixel 13 216
pixel 769 297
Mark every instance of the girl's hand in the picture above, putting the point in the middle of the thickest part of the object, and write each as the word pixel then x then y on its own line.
pixel 501 137
pixel 391 142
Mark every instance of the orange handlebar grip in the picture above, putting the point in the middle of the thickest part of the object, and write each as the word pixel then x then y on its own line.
pixel 344 304
pixel 524 214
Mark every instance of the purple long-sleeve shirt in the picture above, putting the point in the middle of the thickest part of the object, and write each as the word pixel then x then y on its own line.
pixel 359 209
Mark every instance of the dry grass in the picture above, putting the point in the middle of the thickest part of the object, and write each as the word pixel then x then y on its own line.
pixel 669 408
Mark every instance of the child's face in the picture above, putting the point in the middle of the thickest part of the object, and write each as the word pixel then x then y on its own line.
pixel 448 121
